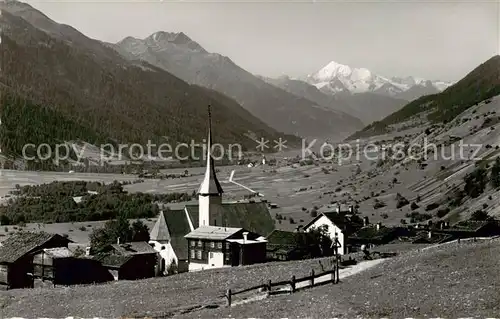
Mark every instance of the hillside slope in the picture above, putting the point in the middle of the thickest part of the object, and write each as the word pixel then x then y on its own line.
pixel 368 107
pixel 85 82
pixel 453 281
pixel 480 84
pixel 178 54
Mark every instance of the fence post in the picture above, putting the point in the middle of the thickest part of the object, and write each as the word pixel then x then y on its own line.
pixel 312 277
pixel 269 285
pixel 292 283
pixel 228 295
pixel 333 274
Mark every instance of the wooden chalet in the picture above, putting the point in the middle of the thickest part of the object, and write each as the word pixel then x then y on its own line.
pixel 60 267
pixel 377 234
pixel 215 247
pixel 130 261
pixel 16 256
pixel 283 245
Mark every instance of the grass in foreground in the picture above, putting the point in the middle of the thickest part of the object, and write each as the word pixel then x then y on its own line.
pixel 453 281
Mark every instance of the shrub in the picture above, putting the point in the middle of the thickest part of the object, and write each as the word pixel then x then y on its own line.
pixel 378 204
pixel 480 215
pixel 401 201
pixel 384 216
pixel 442 212
pixel 82 228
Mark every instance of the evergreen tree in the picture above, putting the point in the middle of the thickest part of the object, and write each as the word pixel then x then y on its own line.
pixel 495 173
pixel 476 182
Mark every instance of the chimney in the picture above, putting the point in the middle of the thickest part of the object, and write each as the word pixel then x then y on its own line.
pixel 245 234
pixel 366 222
pixel 429 234
pixel 118 240
pixel 87 251
pixel 378 226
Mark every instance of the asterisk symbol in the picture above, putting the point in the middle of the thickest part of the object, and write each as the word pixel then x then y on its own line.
pixel 262 144
pixel 280 144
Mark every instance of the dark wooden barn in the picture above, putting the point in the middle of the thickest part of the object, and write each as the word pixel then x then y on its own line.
pixel 130 261
pixel 16 257
pixel 59 267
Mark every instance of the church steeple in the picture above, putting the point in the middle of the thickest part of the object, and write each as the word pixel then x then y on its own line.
pixel 210 191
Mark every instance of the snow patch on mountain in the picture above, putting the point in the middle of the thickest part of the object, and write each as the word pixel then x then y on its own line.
pixel 336 77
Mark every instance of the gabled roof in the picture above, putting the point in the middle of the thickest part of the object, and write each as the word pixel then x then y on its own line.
pixel 254 217
pixel 281 237
pixel 160 231
pixel 347 223
pixel 22 243
pixel 213 233
pixel 176 224
pixel 133 248
pixel 113 260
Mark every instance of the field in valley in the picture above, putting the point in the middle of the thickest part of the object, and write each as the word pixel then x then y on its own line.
pixel 299 189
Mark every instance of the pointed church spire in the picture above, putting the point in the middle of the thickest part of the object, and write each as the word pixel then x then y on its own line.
pixel 210 184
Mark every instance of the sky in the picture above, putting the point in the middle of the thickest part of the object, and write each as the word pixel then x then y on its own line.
pixel 434 40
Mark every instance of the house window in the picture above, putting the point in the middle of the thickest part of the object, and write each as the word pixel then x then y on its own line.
pixel 211 255
pixel 193 243
pixel 227 245
pixel 219 245
pixel 212 244
pixel 199 243
pixel 198 254
pixel 193 255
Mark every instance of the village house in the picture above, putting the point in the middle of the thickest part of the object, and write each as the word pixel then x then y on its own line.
pixel 377 234
pixel 283 245
pixel 470 228
pixel 130 261
pixel 216 247
pixel 16 257
pixel 340 223
pixel 168 234
pixel 59 266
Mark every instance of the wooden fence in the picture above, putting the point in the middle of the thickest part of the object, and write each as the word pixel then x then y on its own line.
pixel 289 286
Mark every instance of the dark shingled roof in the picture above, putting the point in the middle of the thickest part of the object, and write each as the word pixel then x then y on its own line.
pixel 281 237
pixel 22 243
pixel 254 217
pixel 113 260
pixel 134 248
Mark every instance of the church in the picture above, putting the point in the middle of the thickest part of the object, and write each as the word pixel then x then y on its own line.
pixel 213 233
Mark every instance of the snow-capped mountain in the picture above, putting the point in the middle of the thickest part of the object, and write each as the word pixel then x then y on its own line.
pixel 336 77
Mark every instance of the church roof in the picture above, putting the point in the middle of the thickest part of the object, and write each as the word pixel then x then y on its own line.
pixel 210 184
pixel 160 230
pixel 174 225
pixel 254 217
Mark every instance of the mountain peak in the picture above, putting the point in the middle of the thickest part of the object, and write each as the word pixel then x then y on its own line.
pixel 180 39
pixel 336 77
